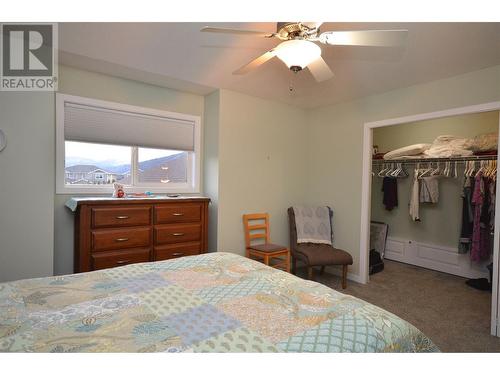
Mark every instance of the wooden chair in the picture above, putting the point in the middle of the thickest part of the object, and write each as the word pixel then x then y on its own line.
pixel 266 251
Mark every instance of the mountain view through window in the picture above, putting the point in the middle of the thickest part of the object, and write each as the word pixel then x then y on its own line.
pixel 98 164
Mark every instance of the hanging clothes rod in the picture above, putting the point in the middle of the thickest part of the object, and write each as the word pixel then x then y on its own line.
pixel 436 160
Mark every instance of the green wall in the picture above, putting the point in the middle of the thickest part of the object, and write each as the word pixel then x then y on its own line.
pixel 335 140
pixel 262 159
pixel 27 185
pixel 448 210
pixel 100 86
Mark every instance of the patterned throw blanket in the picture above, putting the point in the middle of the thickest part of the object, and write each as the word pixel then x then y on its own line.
pixel 215 302
pixel 313 224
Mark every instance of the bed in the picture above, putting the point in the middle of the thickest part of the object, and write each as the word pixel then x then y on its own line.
pixel 216 302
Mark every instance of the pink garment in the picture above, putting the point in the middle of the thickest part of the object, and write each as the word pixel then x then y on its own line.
pixel 477 202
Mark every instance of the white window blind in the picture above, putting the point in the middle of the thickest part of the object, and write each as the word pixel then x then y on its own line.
pixel 86 123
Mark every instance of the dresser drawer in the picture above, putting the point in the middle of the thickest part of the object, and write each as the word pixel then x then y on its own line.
pixel 119 258
pixel 178 213
pixel 168 234
pixel 112 239
pixel 178 250
pixel 120 216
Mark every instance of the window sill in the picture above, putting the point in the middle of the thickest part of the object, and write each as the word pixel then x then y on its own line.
pixel 80 190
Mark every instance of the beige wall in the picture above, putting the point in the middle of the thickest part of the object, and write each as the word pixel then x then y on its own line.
pixel 449 208
pixel 335 140
pixel 99 86
pixel 27 185
pixel 262 159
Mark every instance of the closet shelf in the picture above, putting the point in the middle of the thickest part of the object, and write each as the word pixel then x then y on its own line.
pixel 435 160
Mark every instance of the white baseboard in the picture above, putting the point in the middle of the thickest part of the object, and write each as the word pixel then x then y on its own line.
pixel 435 257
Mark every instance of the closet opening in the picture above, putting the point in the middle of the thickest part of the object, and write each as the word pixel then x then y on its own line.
pixel 429 204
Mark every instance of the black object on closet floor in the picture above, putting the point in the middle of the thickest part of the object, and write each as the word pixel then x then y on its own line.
pixel 482 283
pixel 376 262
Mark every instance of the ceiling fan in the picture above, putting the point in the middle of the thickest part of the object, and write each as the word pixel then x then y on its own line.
pixel 298 49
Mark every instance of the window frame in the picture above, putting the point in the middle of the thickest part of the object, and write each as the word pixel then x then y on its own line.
pixel 194 158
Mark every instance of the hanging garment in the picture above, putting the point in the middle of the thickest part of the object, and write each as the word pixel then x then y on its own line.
pixel 486 240
pixel 493 189
pixel 414 198
pixel 491 209
pixel 429 190
pixel 464 244
pixel 477 201
pixel 390 190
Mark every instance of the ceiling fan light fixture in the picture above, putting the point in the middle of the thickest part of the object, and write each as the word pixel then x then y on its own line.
pixel 297 54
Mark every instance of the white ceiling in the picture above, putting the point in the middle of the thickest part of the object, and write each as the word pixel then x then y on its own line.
pixel 177 55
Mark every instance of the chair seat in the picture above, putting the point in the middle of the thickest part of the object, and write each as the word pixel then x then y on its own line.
pixel 268 248
pixel 323 255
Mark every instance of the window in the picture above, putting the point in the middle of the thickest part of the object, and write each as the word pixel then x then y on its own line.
pixel 100 143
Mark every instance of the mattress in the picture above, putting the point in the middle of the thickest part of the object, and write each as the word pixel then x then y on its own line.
pixel 216 302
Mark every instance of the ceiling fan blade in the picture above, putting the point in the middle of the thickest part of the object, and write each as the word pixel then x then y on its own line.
pixel 223 30
pixel 377 38
pixel 256 62
pixel 320 70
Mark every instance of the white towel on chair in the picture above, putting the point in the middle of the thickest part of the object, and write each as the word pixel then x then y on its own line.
pixel 313 225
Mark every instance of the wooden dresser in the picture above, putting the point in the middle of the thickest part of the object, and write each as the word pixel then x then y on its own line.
pixel 111 233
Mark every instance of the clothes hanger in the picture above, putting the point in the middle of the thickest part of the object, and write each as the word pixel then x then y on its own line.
pixel 480 170
pixel 436 171
pixel 382 171
pixel 425 172
pixel 446 171
pixel 395 172
pixel 391 169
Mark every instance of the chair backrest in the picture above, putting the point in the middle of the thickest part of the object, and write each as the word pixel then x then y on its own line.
pixel 256 226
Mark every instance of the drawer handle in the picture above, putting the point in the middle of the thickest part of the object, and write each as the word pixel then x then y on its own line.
pixel 122 217
pixel 177 214
pixel 177 254
pixel 177 234
pixel 122 261
pixel 122 239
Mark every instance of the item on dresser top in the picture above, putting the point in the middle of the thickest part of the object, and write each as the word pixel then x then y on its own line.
pixel 390 190
pixel 313 224
pixel 146 194
pixel 411 150
pixel 118 191
pixel 112 232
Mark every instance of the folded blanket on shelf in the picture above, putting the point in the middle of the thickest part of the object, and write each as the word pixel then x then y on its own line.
pixel 411 150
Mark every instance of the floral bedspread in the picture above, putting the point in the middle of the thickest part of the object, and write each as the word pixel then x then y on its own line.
pixel 216 302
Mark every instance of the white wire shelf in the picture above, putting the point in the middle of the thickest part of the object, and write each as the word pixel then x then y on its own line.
pixel 436 160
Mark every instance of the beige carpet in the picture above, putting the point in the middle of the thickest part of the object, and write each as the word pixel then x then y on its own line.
pixel 453 315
